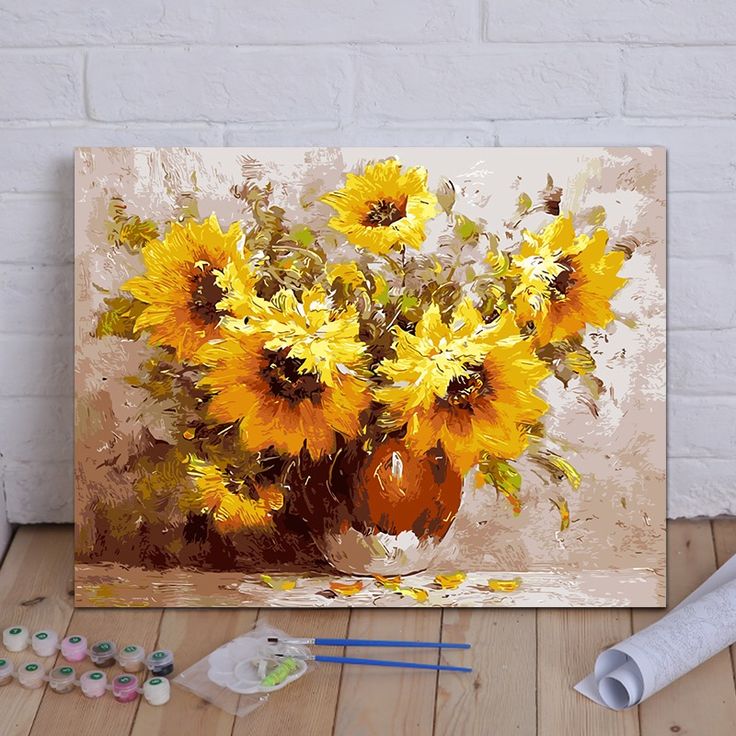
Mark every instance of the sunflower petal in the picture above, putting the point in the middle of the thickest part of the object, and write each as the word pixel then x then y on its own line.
pixel 279 583
pixel 393 583
pixel 451 580
pixel 561 505
pixel 499 585
pixel 418 594
pixel 347 589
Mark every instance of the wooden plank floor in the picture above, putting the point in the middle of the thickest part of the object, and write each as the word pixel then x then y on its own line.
pixel 526 662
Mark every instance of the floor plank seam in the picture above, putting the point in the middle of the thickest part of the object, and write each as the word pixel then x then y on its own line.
pixel 342 671
pixel 437 674
pixel 536 670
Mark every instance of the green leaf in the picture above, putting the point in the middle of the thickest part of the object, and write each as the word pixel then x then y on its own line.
pixel 466 229
pixel 407 303
pixel 120 317
pixel 505 479
pixel 131 232
pixel 579 361
pixel 594 385
pixel 499 261
pixel 186 205
pixel 595 215
pixel 524 203
pixel 302 235
pixel 560 468
pixel 446 195
pixel 381 291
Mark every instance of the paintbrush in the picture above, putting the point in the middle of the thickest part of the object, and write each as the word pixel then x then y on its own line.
pixel 375 662
pixel 327 642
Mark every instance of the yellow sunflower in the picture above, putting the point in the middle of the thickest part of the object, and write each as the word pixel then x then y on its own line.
pixel 233 504
pixel 349 273
pixel 195 276
pixel 384 207
pixel 467 384
pixel 565 281
pixel 292 376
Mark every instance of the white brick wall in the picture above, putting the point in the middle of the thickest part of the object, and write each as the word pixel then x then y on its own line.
pixel 371 72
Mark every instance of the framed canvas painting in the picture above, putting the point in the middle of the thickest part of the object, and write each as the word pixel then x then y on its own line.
pixel 370 377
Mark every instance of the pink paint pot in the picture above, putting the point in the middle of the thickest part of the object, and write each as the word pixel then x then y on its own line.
pixel 93 683
pixel 125 688
pixel 74 648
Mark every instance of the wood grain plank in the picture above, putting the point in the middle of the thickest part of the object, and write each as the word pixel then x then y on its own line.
pixel 374 700
pixel 568 643
pixel 724 539
pixel 308 706
pixel 35 592
pixel 192 635
pixel 74 715
pixel 502 689
pixel 703 701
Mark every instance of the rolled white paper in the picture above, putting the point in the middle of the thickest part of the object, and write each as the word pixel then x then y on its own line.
pixel 698 628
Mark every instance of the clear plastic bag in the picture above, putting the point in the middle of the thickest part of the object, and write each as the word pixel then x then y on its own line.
pixel 231 677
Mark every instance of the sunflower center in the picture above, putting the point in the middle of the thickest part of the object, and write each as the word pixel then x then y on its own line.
pixel 463 391
pixel 284 379
pixel 384 212
pixel 240 488
pixel 564 281
pixel 232 485
pixel 206 294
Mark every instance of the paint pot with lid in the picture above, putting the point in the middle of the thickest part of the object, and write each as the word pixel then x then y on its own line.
pixel 125 688
pixel 157 691
pixel 160 662
pixel 103 653
pixel 62 679
pixel 31 675
pixel 74 648
pixel 45 642
pixel 132 658
pixel 6 672
pixel 16 638
pixel 93 683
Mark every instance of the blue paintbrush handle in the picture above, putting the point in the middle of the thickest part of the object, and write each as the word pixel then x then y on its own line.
pixel 389 663
pixel 379 643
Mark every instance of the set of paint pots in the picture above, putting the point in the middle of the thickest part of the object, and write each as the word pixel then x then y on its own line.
pixel 132 658
pixel 125 688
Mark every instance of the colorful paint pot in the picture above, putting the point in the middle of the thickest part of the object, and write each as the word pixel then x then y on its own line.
pixel 125 688
pixel 157 691
pixel 16 638
pixel 160 663
pixel 93 683
pixel 45 642
pixel 132 658
pixel 31 675
pixel 74 648
pixel 62 679
pixel 103 653
pixel 6 672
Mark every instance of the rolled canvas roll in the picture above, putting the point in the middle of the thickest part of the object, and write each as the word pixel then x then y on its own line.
pixel 698 628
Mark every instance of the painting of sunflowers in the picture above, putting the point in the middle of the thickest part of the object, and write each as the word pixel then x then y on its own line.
pixel 370 377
